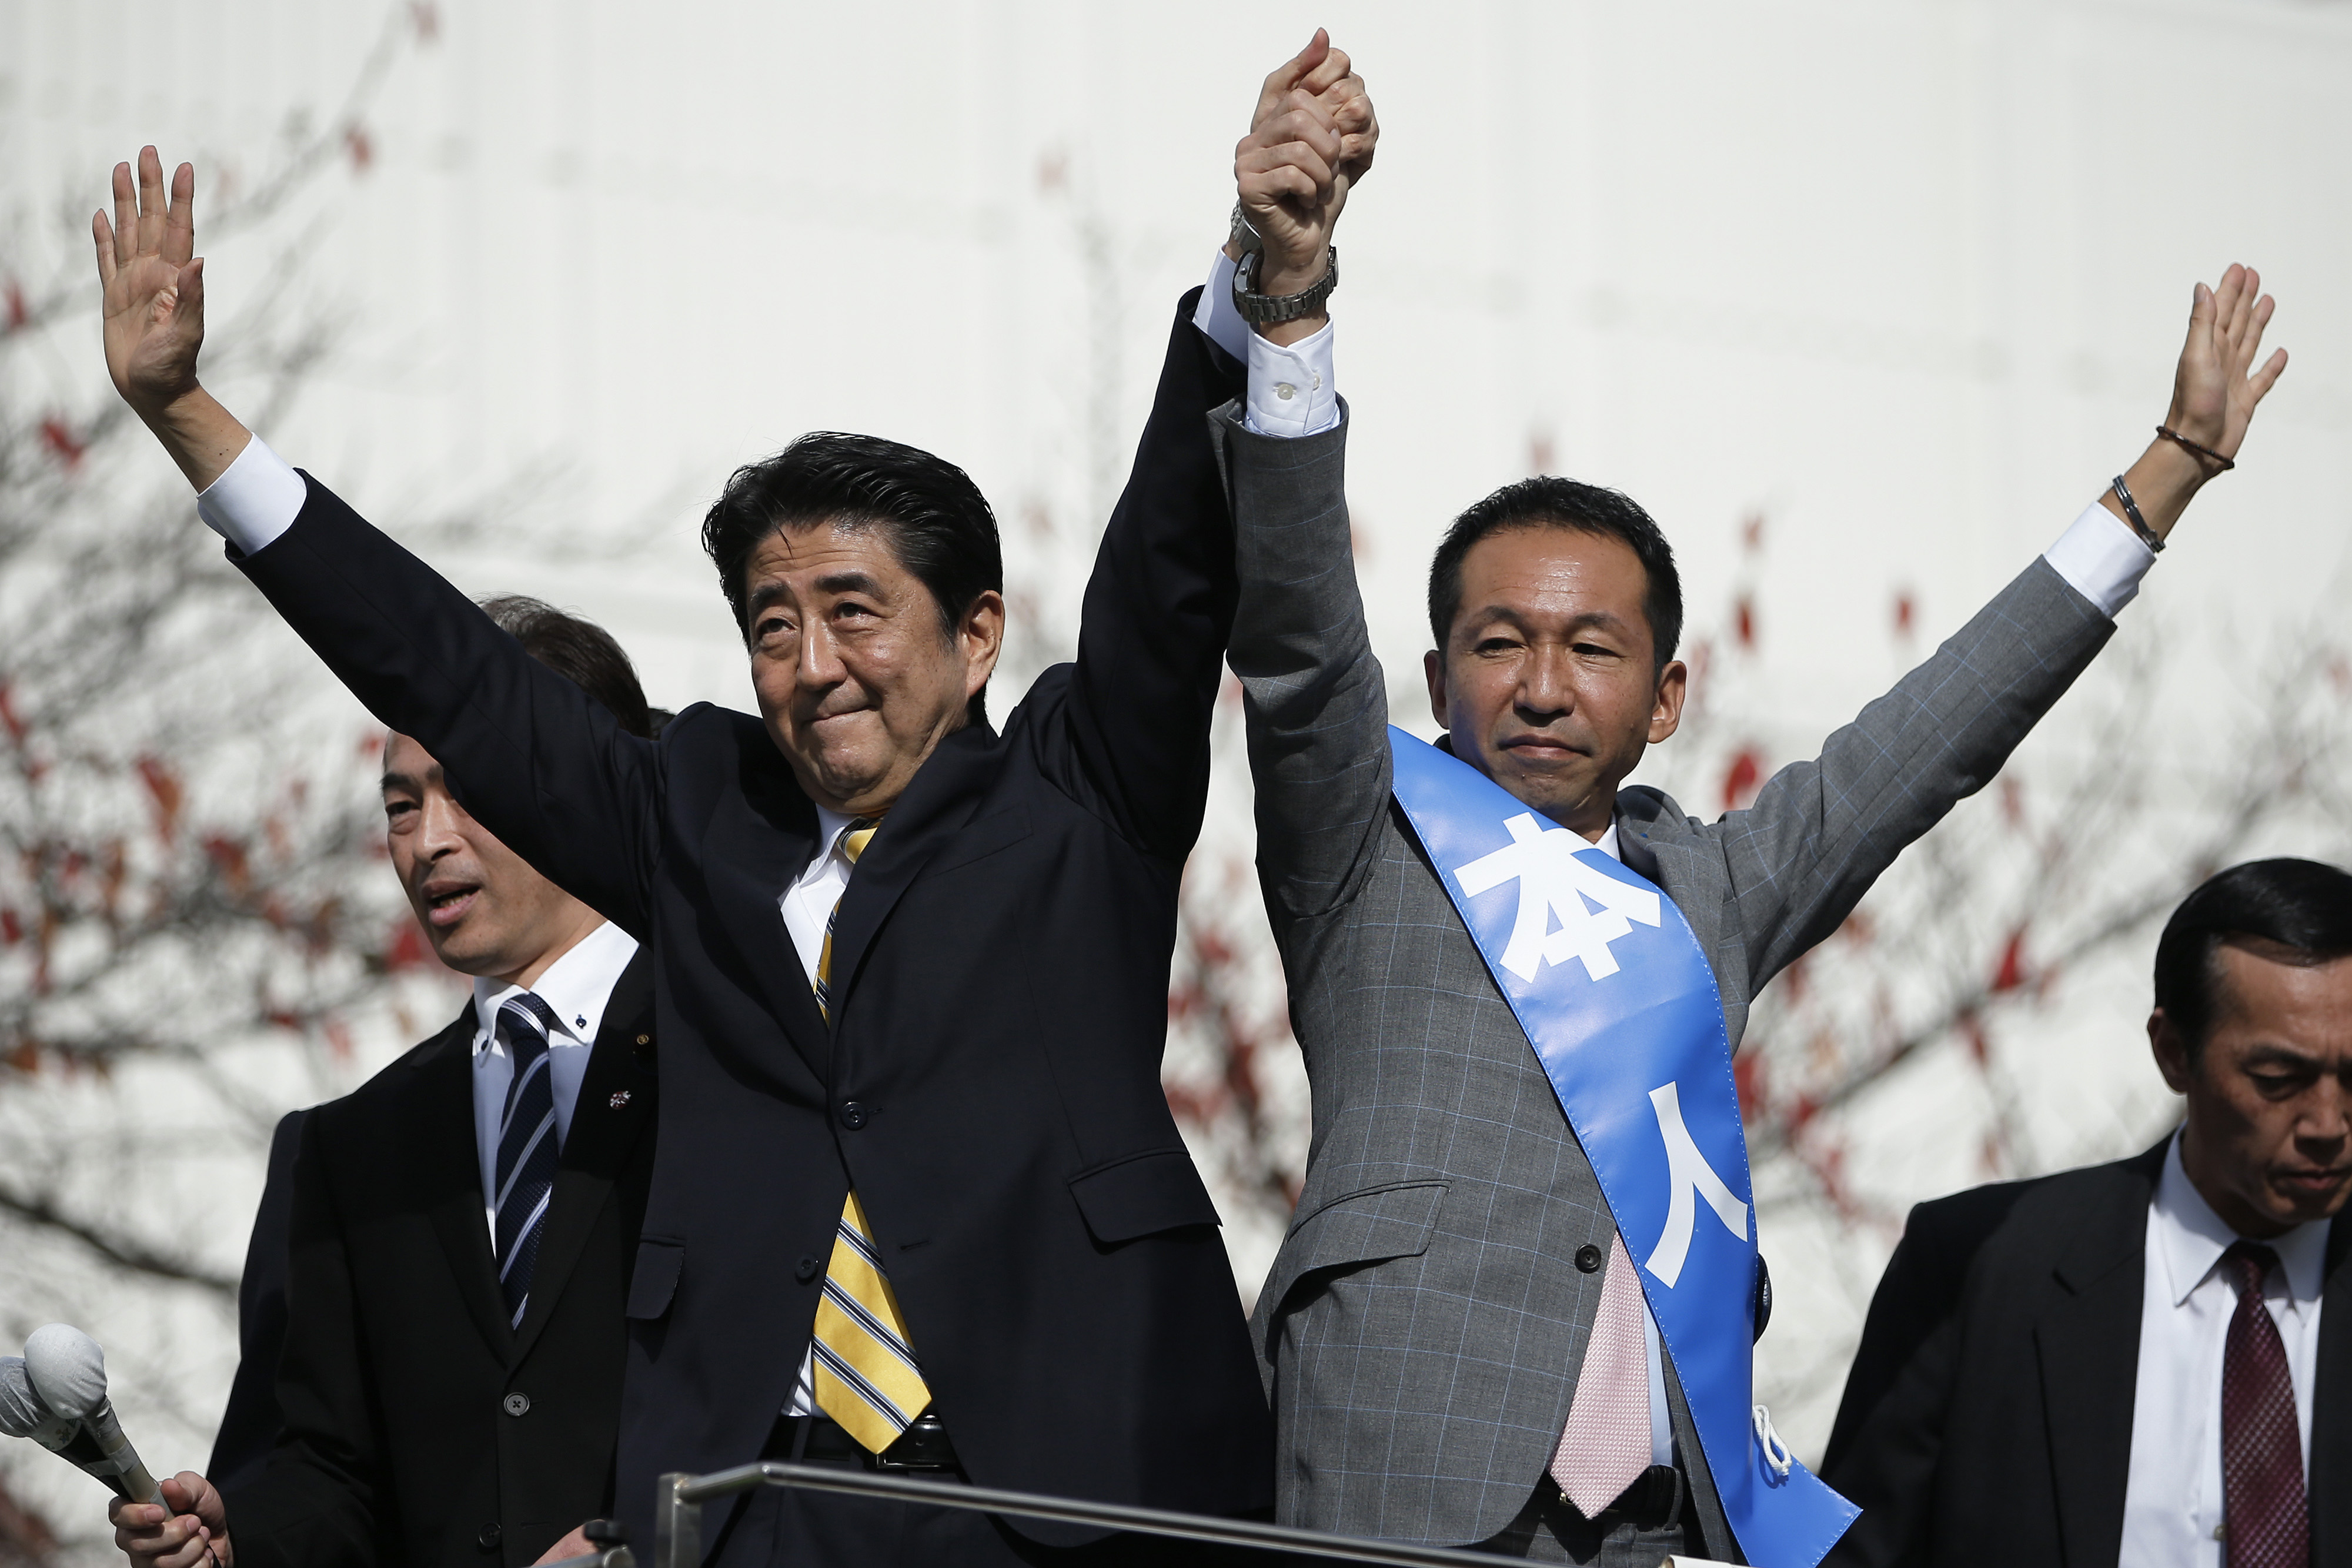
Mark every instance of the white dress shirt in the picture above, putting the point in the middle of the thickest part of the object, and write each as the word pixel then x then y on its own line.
pixel 809 901
pixel 576 987
pixel 808 904
pixel 2172 1500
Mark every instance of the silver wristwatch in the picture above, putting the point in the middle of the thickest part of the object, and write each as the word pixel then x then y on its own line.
pixel 1264 309
pixel 1243 237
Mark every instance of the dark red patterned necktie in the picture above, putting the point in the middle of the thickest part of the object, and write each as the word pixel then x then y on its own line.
pixel 2261 1447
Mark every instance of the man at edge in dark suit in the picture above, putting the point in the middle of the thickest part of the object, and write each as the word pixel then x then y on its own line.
pixel 2149 1362
pixel 385 1318
pixel 919 1204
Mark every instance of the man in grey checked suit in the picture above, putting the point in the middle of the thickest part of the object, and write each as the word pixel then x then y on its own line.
pixel 1423 1329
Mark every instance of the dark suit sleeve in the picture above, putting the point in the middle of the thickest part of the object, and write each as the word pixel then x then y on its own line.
pixel 314 1503
pixel 536 760
pixel 1158 610
pixel 1889 1442
pixel 249 1425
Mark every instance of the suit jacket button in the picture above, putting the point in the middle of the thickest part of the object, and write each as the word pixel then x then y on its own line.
pixel 853 1115
pixel 1588 1258
pixel 489 1538
pixel 806 1270
pixel 516 1403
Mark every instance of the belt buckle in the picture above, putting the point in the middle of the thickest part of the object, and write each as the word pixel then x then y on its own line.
pixel 926 1431
pixel 885 1462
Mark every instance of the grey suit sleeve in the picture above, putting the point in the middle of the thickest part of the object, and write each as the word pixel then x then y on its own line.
pixel 1820 833
pixel 1313 698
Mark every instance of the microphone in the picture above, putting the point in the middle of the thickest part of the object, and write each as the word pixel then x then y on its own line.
pixel 24 1415
pixel 67 1372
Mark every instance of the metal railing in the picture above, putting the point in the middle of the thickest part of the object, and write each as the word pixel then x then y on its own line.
pixel 679 1498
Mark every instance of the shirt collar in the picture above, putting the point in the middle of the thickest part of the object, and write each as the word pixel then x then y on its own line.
pixel 829 825
pixel 1607 842
pixel 2191 1239
pixel 577 986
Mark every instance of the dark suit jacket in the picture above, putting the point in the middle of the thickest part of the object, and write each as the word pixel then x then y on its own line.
pixel 248 1428
pixel 990 1079
pixel 418 1428
pixel 1988 1415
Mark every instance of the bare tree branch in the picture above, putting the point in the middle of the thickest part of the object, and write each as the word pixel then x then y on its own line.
pixel 114 1247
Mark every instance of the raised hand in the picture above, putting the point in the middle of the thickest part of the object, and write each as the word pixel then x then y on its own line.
pixel 2214 393
pixel 154 285
pixel 2213 396
pixel 1312 137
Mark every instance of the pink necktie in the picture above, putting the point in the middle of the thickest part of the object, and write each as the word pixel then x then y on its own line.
pixel 1606 1442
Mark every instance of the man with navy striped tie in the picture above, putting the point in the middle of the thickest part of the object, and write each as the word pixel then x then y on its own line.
pixel 442 1379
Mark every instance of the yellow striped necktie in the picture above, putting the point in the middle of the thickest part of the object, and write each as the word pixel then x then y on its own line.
pixel 853 840
pixel 866 1375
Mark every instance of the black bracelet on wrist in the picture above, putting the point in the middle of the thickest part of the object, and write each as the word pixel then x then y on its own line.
pixel 2202 454
pixel 2131 515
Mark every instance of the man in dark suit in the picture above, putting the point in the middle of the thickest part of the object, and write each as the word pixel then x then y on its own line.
pixel 432 1313
pixel 249 1425
pixel 920 1200
pixel 2149 1362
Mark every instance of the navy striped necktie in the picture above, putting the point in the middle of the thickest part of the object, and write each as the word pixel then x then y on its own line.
pixel 527 1148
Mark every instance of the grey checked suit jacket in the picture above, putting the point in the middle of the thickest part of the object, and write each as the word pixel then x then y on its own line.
pixel 1422 1326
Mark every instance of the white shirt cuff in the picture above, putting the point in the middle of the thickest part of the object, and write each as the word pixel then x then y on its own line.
pixel 1216 316
pixel 2101 560
pixel 256 498
pixel 1290 390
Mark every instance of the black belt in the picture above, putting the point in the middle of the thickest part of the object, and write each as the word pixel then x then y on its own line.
pixel 923 1446
pixel 1654 1500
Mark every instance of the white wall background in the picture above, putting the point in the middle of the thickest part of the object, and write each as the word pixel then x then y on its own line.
pixel 1907 277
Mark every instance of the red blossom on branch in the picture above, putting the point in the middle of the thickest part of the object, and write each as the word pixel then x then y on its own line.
pixel 59 438
pixel 1741 779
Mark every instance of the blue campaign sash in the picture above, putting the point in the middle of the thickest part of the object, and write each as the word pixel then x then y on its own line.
pixel 1609 982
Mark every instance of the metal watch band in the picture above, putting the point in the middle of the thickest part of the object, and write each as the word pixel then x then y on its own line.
pixel 1265 308
pixel 1243 237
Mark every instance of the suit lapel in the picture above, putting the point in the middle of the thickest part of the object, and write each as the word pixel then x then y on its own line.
pixel 760 838
pixel 1666 862
pixel 940 800
pixel 2331 1409
pixel 615 1105
pixel 2088 1344
pixel 451 1167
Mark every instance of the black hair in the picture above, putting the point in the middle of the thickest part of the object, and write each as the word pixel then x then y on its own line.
pixel 1545 502
pixel 581 651
pixel 2299 911
pixel 938 523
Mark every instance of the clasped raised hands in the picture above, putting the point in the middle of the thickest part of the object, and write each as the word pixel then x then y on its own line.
pixel 1312 138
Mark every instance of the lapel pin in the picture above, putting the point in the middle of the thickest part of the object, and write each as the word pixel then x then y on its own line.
pixel 620 1098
